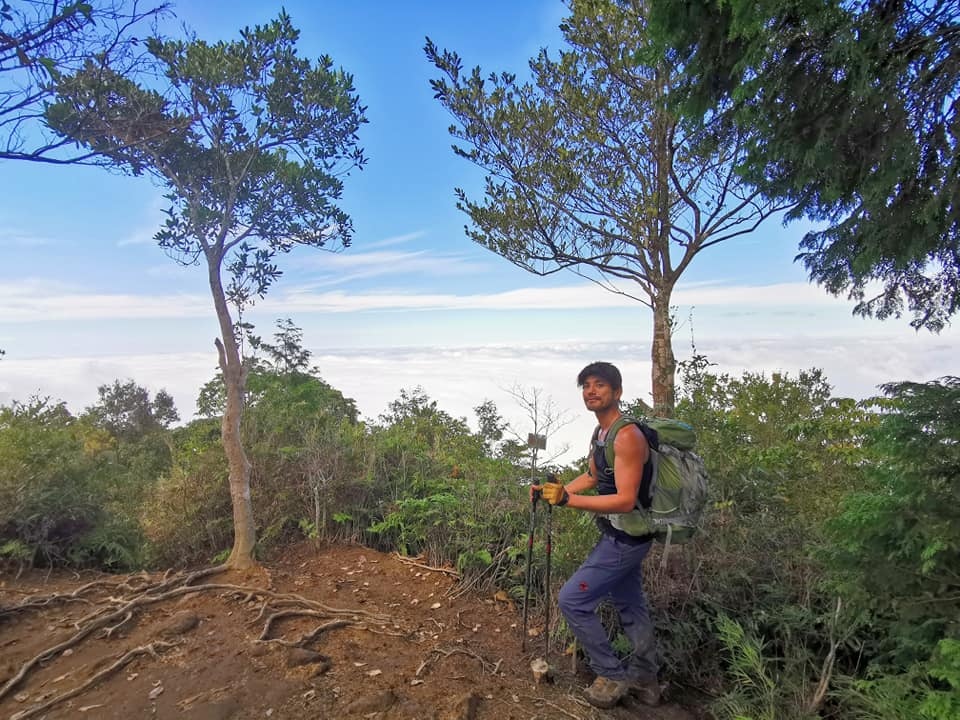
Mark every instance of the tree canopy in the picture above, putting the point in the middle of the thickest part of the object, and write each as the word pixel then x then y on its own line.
pixel 42 42
pixel 587 170
pixel 252 143
pixel 851 110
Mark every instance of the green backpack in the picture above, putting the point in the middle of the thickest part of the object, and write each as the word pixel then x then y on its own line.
pixel 671 506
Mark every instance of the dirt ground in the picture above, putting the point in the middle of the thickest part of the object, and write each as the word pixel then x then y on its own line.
pixel 335 632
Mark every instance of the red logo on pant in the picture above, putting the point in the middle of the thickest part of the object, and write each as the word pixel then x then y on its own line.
pixel 583 587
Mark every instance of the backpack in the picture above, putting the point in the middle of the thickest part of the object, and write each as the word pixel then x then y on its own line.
pixel 670 504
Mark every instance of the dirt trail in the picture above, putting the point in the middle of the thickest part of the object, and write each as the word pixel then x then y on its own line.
pixel 379 638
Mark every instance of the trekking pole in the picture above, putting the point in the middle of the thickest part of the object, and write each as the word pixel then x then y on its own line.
pixel 526 587
pixel 546 650
pixel 546 600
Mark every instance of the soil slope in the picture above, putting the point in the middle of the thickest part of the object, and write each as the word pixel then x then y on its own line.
pixel 336 632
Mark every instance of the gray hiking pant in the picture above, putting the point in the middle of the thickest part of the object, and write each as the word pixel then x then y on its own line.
pixel 613 571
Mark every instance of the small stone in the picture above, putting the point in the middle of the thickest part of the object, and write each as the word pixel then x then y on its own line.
pixel 467 706
pixel 378 703
pixel 180 624
pixel 259 649
pixel 297 657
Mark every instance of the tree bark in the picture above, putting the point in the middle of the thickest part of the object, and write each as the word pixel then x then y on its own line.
pixel 663 276
pixel 662 358
pixel 235 381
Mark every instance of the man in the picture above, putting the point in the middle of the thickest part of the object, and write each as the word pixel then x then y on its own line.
pixel 613 569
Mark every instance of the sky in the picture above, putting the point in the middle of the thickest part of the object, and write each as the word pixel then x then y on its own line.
pixel 86 297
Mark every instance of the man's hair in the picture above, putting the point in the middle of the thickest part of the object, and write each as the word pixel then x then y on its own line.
pixel 603 370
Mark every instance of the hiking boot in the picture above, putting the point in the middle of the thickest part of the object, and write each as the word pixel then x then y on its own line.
pixel 605 693
pixel 646 690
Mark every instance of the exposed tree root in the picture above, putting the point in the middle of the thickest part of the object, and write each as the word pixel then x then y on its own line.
pixel 115 612
pixel 438 653
pixel 152 649
pixel 541 701
pixel 31 603
pixel 304 639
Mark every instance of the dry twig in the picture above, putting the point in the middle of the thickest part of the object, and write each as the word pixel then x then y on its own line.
pixel 152 649
pixel 408 561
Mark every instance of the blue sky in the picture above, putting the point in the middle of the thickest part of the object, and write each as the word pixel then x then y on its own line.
pixel 87 297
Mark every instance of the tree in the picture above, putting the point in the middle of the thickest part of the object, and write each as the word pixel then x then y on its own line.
pixel 491 425
pixel 588 171
pixel 42 42
pixel 546 420
pixel 255 145
pixel 851 109
pixel 894 553
pixel 128 413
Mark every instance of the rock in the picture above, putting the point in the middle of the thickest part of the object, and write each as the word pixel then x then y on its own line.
pixel 380 702
pixel 465 707
pixel 320 668
pixel 259 649
pixel 301 656
pixel 180 624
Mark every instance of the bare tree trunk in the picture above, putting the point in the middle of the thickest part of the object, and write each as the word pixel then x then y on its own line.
pixel 235 381
pixel 663 361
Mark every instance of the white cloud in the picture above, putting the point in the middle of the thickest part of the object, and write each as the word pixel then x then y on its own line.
pixel 350 267
pixel 13 238
pixel 396 239
pixel 460 378
pixel 32 300
pixel 550 298
pixel 36 301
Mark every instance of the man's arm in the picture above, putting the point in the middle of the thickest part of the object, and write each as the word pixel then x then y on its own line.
pixel 630 455
pixel 584 481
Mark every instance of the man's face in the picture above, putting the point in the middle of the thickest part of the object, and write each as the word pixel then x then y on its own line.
pixel 599 395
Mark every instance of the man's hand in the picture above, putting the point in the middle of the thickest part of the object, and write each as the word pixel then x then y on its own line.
pixel 555 494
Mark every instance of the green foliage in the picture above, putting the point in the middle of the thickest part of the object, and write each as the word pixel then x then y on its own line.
pixel 849 110
pixel 760 691
pixel 17 551
pixel 186 515
pixel 251 140
pixel 307 453
pixel 53 492
pixel 896 546
pixel 473 561
pixel 41 42
pixel 252 144
pixel 776 447
pixel 115 544
pixel 72 488
pixel 781 453
pixel 434 490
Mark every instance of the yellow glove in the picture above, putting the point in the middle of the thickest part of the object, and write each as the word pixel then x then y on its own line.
pixel 555 494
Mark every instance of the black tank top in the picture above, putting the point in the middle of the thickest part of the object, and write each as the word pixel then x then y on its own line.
pixel 606 485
